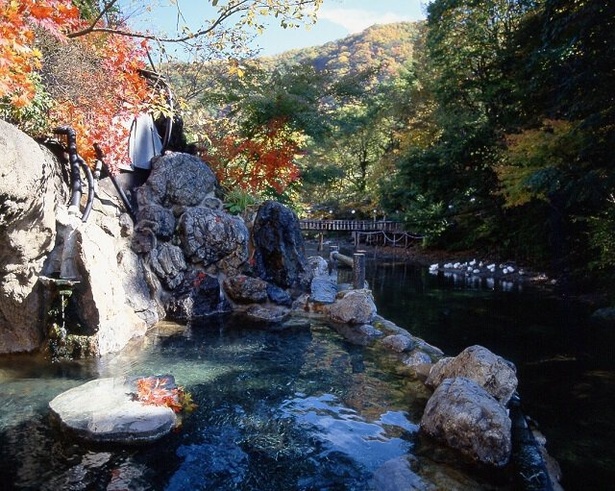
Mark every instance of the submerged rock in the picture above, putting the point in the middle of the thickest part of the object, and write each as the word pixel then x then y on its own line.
pixel 104 410
pixel 396 474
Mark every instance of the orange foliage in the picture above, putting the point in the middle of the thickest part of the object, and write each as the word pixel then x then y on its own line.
pixel 104 117
pixel 160 391
pixel 18 58
pixel 101 116
pixel 264 161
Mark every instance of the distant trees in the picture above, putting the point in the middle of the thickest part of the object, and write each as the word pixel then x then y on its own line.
pixel 524 111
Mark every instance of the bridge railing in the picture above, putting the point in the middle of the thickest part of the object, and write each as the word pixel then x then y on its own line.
pixel 352 225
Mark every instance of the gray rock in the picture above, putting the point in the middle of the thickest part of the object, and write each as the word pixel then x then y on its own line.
pixel 168 263
pixel 30 188
pixel 161 220
pixel 179 179
pixel 397 474
pixel 200 295
pixel 209 236
pixel 362 335
pixel 279 250
pixel 353 307
pixel 141 286
pixel 496 375
pixel 398 343
pixel 278 295
pixel 417 357
pixel 465 416
pixel 244 289
pixel 103 410
pixel 318 265
pixel 100 295
pixel 323 289
pixel 267 314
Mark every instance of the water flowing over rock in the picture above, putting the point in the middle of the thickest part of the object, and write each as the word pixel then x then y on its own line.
pixel 30 187
pixel 199 295
pixel 279 251
pixel 496 375
pixel 466 417
pixel 117 277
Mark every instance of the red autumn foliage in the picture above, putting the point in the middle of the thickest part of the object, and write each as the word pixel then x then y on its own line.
pixel 114 92
pixel 263 161
pixel 160 391
pixel 18 58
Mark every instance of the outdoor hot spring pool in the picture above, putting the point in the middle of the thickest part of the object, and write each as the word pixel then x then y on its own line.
pixel 304 409
pixel 299 409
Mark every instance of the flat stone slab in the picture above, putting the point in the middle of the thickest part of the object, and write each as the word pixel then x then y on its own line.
pixel 104 410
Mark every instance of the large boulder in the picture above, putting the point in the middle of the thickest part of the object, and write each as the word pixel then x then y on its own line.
pixel 211 236
pixel 30 187
pixel 492 372
pixel 100 296
pixel 279 250
pixel 178 179
pixel 186 238
pixel 466 417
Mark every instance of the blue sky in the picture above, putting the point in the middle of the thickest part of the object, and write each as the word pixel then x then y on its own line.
pixel 336 19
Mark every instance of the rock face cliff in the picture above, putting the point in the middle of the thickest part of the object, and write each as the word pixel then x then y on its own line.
pixel 85 288
pixel 30 189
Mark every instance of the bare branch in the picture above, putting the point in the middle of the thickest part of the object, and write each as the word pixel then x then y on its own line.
pixel 249 8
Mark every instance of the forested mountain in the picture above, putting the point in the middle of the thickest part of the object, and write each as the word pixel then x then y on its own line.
pixel 382 49
pixel 388 46
pixel 489 126
pixel 299 126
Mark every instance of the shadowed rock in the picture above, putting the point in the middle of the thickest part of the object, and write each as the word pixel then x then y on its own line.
pixel 279 250
pixel 463 415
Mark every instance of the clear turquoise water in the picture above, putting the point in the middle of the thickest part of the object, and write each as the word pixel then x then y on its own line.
pixel 299 409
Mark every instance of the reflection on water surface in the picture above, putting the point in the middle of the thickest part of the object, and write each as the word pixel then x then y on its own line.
pixel 565 364
pixel 297 409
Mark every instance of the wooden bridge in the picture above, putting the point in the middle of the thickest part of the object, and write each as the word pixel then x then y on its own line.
pixel 351 225
pixel 372 232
